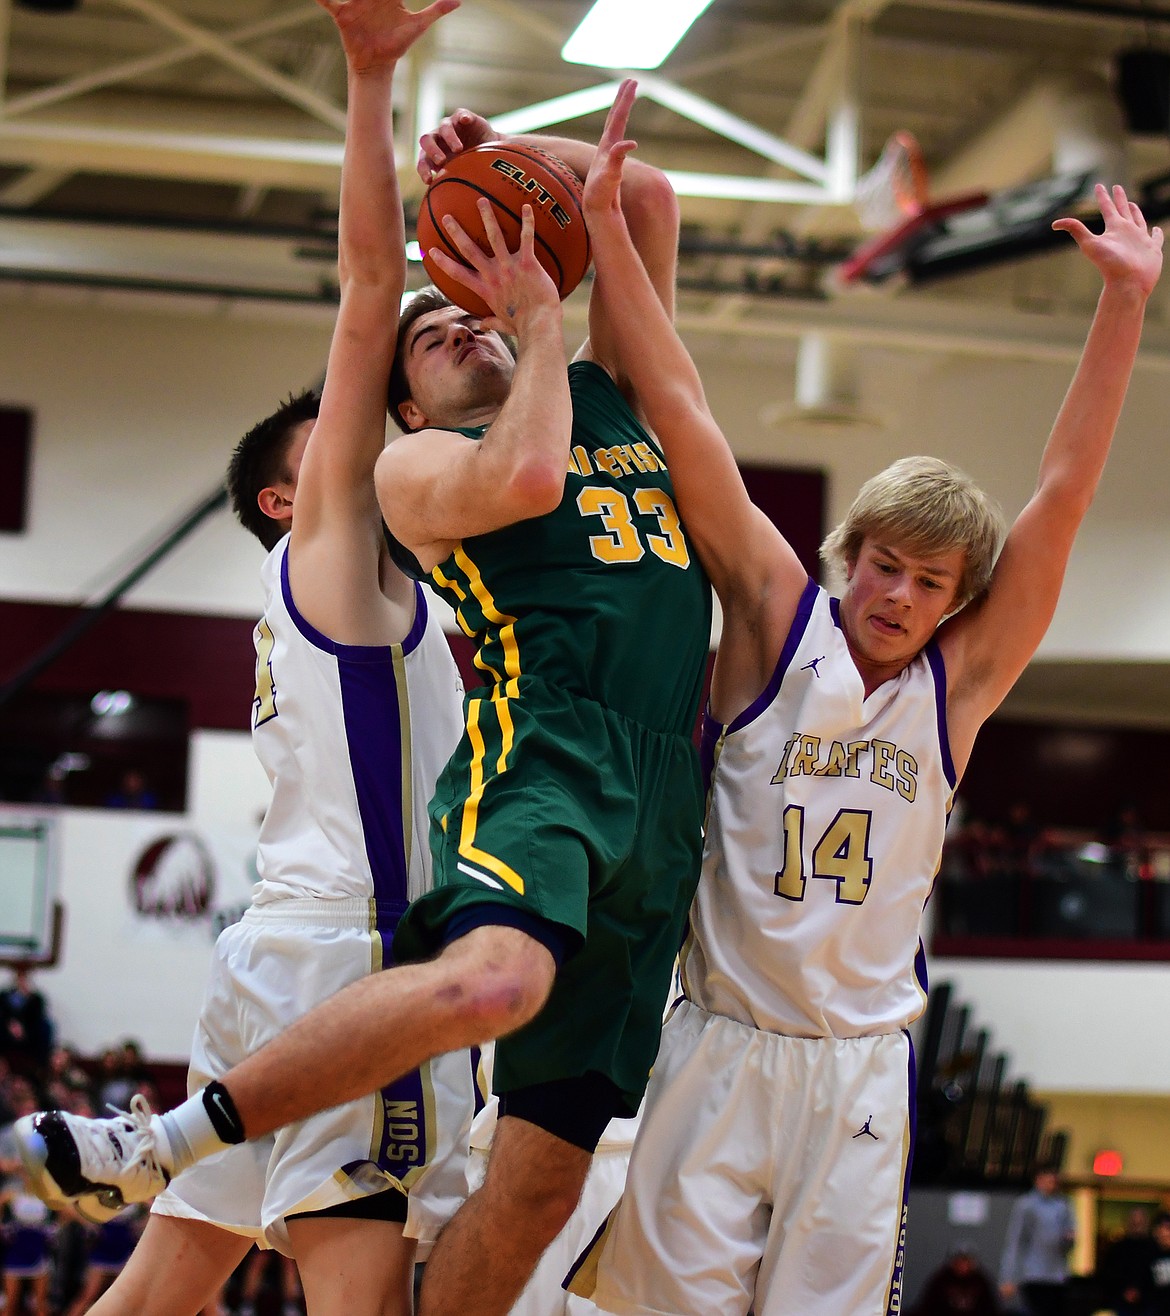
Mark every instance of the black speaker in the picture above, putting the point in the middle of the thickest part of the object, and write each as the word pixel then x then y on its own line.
pixel 1143 87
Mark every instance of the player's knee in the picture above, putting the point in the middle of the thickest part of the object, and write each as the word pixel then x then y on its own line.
pixel 506 997
pixel 544 1202
pixel 508 982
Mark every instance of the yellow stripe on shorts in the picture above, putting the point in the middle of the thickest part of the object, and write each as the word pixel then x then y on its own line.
pixel 467 847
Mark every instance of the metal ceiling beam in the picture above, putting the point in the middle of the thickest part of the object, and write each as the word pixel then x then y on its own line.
pixel 203 157
pixel 32 186
pixel 736 129
pixel 589 100
pixel 127 69
pixel 254 69
pixel 807 124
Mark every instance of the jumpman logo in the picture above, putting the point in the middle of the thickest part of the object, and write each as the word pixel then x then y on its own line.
pixel 813 666
pixel 866 1131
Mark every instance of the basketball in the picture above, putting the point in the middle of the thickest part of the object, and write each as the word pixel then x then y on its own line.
pixel 509 176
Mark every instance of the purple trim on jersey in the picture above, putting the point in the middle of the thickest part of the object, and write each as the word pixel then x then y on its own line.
pixel 419 625
pixel 791 644
pixel 835 612
pixel 355 652
pixel 939 672
pixel 403 1144
pixel 478 1100
pixel 373 733
pixel 586 1251
pixel 895 1301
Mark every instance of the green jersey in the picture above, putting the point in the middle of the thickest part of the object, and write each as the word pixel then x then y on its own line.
pixel 603 597
pixel 574 799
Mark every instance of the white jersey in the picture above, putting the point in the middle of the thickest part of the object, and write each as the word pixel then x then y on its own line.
pixel 352 738
pixel 826 813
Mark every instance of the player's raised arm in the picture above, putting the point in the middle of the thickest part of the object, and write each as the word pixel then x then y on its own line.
pixel 988 645
pixel 436 487
pixel 335 499
pixel 746 557
pixel 647 201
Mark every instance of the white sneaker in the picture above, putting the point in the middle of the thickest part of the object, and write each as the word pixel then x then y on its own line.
pixel 99 1165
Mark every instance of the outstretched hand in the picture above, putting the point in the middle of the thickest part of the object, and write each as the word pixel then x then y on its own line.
pixel 1128 251
pixel 512 283
pixel 376 33
pixel 459 131
pixel 604 180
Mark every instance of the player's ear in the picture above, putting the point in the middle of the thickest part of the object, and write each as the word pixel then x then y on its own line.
pixel 412 415
pixel 273 503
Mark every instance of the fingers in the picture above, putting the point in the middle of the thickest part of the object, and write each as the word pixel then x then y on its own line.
pixel 459 130
pixel 491 227
pixel 435 10
pixel 456 270
pixel 467 247
pixel 1074 228
pixel 527 246
pixel 473 252
pixel 619 113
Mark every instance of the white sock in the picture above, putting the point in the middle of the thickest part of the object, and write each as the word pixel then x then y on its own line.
pixel 188 1133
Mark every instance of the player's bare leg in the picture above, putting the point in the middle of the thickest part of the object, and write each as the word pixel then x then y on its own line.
pixel 354 1267
pixel 196 1258
pixel 487 983
pixel 482 986
pixel 485 1255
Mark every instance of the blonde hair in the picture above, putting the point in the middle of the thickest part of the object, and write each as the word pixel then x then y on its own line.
pixel 927 507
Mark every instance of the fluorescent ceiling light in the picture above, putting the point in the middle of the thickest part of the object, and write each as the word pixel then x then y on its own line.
pixel 631 34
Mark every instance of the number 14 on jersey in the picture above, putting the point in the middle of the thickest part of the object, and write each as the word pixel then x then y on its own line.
pixel 841 855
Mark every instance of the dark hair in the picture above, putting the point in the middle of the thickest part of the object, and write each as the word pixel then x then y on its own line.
pixel 397 389
pixel 260 460
pixel 1162 1218
pixel 425 301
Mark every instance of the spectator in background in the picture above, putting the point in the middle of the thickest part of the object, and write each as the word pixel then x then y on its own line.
pixel 1019 839
pixel 108 1248
pixel 66 1078
pixel 257 1267
pixel 133 792
pixel 1128 840
pixel 1040 1235
pixel 1124 1271
pixel 1158 1288
pixel 123 1073
pixel 960 1287
pixel 20 1098
pixel 26 1030
pixel 27 1228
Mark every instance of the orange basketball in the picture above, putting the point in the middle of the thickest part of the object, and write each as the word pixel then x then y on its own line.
pixel 509 176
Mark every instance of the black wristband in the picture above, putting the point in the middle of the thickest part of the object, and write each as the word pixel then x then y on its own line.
pixel 221 1110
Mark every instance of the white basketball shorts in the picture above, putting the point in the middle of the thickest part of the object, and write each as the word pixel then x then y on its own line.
pixel 267 970
pixel 769 1175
